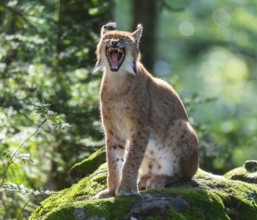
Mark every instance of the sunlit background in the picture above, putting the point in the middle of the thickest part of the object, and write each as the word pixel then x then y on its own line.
pixel 207 50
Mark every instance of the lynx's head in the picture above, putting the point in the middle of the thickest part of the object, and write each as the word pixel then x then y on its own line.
pixel 118 50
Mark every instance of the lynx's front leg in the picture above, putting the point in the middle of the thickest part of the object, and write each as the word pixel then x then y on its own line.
pixel 115 156
pixel 136 151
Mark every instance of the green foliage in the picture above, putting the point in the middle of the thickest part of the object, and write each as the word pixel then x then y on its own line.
pixel 48 95
pixel 209 49
pixel 27 198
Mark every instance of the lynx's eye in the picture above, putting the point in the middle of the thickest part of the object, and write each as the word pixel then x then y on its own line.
pixel 115 57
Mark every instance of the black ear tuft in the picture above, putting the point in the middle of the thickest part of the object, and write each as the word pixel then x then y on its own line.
pixel 108 27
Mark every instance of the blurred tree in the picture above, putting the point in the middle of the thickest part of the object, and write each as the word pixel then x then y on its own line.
pixel 46 61
pixel 77 21
pixel 207 50
pixel 147 12
pixel 149 18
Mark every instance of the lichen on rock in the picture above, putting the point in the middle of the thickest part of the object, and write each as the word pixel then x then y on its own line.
pixel 207 196
pixel 246 173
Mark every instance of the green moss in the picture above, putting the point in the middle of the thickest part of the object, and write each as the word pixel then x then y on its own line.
pixel 89 165
pixel 173 215
pixel 61 213
pixel 207 196
pixel 246 173
pixel 203 204
pixel 111 209
pixel 238 197
pixel 241 173
pixel 84 189
pixel 176 216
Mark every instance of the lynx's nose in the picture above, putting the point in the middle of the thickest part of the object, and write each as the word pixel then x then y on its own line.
pixel 114 43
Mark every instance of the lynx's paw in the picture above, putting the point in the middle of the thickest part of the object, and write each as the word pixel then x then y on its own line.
pixel 142 182
pixel 126 191
pixel 157 182
pixel 104 194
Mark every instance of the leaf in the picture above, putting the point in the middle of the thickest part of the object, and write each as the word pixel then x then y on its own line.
pixel 24 191
pixel 25 157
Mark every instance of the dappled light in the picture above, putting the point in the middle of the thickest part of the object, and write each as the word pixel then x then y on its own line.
pixel 49 91
pixel 186 28
pixel 225 76
pixel 221 17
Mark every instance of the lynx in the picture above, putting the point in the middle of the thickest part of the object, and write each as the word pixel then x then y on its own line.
pixel 149 141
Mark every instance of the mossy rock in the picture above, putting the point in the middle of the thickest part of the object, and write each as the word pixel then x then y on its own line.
pixel 246 173
pixel 88 165
pixel 207 196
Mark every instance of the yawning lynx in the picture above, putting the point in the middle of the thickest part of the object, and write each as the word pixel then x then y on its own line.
pixel 149 140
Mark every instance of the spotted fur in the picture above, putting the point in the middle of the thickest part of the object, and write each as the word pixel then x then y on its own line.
pixel 149 140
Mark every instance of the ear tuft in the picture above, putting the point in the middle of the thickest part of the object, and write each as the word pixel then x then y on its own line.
pixel 108 27
pixel 138 33
pixel 140 26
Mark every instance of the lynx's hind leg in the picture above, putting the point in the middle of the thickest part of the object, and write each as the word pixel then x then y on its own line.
pixel 173 160
pixel 184 145
pixel 157 166
pixel 160 181
pixel 143 181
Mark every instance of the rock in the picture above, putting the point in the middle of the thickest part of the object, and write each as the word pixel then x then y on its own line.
pixel 207 196
pixel 246 173
pixel 88 165
pixel 251 165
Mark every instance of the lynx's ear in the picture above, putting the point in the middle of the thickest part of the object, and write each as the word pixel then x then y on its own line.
pixel 108 27
pixel 138 33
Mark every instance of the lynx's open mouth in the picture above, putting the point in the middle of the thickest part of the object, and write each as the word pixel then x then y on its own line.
pixel 115 57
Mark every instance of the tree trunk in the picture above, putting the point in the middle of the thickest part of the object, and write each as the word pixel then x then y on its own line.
pixel 146 13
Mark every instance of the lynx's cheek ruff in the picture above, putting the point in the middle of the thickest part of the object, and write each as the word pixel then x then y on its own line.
pixel 115 57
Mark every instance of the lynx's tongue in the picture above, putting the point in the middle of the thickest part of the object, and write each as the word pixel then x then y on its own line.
pixel 115 58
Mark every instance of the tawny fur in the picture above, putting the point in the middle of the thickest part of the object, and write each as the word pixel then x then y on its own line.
pixel 149 140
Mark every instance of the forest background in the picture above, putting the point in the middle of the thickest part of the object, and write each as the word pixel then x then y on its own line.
pixel 49 114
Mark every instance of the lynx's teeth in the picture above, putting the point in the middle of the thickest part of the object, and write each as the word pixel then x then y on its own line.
pixel 115 57
pixel 111 49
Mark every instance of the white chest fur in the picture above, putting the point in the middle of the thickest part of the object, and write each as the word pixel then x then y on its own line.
pixel 158 160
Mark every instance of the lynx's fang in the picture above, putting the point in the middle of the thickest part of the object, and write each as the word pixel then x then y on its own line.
pixel 115 57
